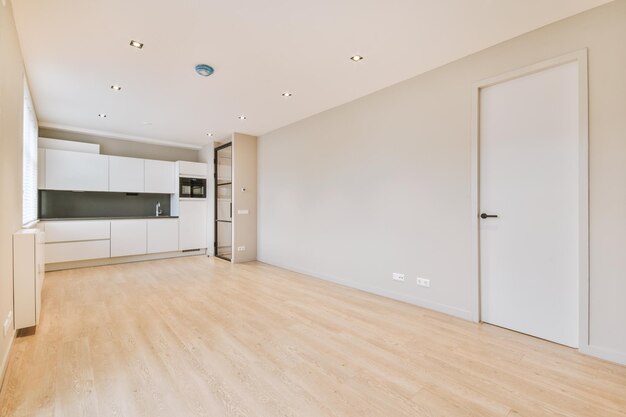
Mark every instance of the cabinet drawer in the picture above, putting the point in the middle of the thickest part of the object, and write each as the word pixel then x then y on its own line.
pixel 77 251
pixel 77 230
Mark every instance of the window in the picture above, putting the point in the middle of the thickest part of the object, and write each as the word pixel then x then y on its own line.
pixel 29 163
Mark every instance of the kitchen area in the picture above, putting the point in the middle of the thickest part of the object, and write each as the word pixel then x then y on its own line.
pixel 97 209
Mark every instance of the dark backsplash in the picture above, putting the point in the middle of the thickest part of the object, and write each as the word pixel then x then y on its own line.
pixel 71 204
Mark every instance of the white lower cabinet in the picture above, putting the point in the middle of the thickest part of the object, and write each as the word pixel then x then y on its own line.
pixel 77 251
pixel 162 235
pixel 129 237
pixel 80 240
pixel 76 240
pixel 75 230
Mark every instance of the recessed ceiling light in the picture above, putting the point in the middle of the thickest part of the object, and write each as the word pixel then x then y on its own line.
pixel 116 87
pixel 287 94
pixel 209 134
pixel 242 117
pixel 356 58
pixel 102 115
pixel 136 44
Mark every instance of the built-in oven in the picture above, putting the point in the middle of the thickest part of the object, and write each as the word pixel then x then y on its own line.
pixel 192 187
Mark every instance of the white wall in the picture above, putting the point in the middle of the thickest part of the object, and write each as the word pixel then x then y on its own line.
pixel 382 184
pixel 11 109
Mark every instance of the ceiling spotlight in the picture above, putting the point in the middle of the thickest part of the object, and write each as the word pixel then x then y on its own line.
pixel 356 58
pixel 204 70
pixel 136 44
pixel 102 115
pixel 116 87
pixel 242 117
pixel 287 94
pixel 209 134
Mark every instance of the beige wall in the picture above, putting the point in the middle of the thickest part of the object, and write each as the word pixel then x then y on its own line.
pixel 110 146
pixel 244 177
pixel 11 109
pixel 382 184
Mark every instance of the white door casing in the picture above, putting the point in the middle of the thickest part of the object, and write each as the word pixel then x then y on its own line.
pixel 522 174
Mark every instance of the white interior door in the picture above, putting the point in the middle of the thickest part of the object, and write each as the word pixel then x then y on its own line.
pixel 529 178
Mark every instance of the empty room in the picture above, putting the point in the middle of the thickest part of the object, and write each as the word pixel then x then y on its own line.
pixel 347 208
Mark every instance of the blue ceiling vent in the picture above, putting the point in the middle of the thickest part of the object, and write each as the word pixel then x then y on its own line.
pixel 204 70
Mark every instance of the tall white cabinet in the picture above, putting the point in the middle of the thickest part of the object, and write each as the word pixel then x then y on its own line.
pixel 193 224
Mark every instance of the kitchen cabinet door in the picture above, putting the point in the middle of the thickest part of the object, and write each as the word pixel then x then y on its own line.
pixel 77 251
pixel 76 230
pixel 76 171
pixel 192 169
pixel 162 235
pixel 126 174
pixel 160 177
pixel 193 224
pixel 128 237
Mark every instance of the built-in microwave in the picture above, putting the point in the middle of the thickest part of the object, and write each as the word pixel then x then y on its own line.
pixel 192 187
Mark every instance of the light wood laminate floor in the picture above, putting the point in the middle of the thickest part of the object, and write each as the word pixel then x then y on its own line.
pixel 200 337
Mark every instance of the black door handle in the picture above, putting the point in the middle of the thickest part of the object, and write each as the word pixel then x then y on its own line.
pixel 485 215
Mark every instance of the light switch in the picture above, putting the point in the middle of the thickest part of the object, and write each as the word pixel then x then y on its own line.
pixel 242 211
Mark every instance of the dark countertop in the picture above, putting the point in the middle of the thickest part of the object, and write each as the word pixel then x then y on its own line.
pixel 107 218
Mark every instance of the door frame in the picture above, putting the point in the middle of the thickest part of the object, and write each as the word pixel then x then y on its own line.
pixel 580 57
pixel 215 215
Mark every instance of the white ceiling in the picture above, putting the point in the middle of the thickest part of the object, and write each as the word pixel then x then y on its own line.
pixel 75 49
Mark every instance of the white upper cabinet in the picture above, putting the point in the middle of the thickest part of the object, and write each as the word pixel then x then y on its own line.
pixel 75 171
pixel 160 177
pixel 192 169
pixel 126 174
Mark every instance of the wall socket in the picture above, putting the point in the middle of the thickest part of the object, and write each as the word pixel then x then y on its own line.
pixel 241 248
pixel 423 282
pixel 398 277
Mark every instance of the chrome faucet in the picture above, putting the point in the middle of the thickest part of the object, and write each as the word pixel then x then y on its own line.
pixel 158 209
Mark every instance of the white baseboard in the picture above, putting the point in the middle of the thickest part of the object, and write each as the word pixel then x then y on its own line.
pixel 604 353
pixel 420 302
pixel 5 360
pixel 120 260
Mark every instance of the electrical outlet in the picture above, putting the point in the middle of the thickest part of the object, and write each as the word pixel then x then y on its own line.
pixel 241 248
pixel 423 282
pixel 398 277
